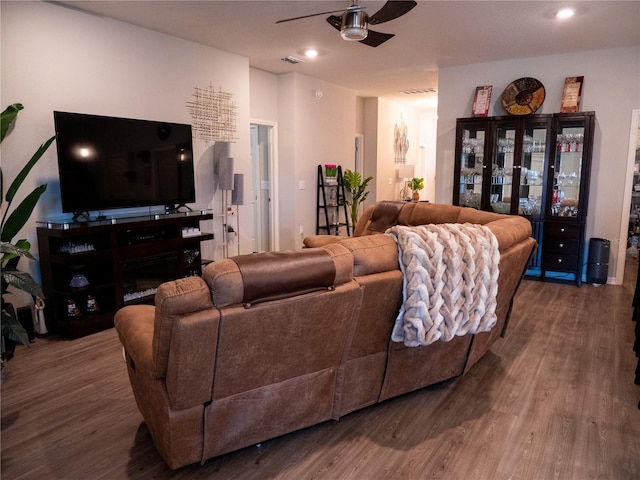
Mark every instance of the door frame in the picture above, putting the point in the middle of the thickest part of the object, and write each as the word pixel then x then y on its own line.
pixel 626 203
pixel 274 211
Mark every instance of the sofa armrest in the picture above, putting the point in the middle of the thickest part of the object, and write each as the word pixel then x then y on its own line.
pixel 510 230
pixel 191 360
pixel 134 325
pixel 175 300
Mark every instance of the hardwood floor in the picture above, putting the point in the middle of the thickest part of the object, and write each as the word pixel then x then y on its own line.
pixel 554 400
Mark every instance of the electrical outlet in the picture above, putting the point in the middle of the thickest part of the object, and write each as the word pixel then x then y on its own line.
pixel 301 230
pixel 301 185
pixel 390 181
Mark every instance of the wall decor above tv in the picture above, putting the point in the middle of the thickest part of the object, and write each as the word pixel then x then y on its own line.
pixel 111 163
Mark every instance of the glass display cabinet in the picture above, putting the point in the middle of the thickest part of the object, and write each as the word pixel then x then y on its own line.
pixel 537 166
pixel 500 163
pixel 470 184
pixel 563 242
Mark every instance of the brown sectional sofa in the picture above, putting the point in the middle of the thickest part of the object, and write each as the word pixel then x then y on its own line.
pixel 269 343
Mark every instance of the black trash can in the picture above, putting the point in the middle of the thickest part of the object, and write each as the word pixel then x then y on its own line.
pixel 598 264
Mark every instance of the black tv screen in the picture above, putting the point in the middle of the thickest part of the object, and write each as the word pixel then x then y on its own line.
pixel 110 162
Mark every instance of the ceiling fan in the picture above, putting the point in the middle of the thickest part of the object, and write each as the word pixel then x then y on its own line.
pixel 354 23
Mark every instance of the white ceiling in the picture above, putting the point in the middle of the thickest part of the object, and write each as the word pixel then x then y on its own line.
pixel 434 34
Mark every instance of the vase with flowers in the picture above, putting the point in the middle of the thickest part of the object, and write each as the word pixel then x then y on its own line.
pixel 331 173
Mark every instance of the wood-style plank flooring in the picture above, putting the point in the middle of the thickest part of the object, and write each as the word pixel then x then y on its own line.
pixel 553 400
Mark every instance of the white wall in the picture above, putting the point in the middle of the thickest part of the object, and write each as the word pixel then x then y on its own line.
pixel 263 89
pixel 611 89
pixel 380 117
pixel 54 58
pixel 312 131
pixel 428 138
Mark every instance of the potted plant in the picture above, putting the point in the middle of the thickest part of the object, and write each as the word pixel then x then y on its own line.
pixel 11 224
pixel 357 192
pixel 331 173
pixel 231 233
pixel 416 184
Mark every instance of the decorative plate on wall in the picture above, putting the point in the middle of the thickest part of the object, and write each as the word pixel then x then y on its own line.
pixel 523 96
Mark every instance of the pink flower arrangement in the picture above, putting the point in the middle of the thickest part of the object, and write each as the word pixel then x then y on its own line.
pixel 330 170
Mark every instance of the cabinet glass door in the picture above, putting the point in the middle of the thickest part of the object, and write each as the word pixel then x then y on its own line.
pixel 471 166
pixel 502 168
pixel 532 167
pixel 567 171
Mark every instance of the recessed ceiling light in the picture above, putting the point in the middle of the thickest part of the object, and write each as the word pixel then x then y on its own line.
pixel 565 13
pixel 311 53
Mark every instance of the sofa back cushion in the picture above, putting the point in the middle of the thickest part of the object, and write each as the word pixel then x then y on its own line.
pixel 260 277
pixel 508 229
pixel 372 254
pixel 377 218
pixel 424 213
pixel 279 274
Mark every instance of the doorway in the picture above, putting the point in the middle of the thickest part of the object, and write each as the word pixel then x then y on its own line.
pixel 264 187
pixel 358 154
pixel 629 217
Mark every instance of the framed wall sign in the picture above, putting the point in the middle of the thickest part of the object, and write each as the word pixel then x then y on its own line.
pixel 571 94
pixel 481 101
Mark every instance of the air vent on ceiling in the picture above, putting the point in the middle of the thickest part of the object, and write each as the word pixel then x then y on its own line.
pixel 292 59
pixel 418 91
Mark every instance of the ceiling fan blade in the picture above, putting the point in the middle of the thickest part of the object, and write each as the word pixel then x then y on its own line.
pixel 355 8
pixel 391 10
pixel 375 39
pixel 335 21
pixel 307 16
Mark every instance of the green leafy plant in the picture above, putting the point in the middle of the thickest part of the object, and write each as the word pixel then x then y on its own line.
pixel 9 228
pixel 416 184
pixel 357 192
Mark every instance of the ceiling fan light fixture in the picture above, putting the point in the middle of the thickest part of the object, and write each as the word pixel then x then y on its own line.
pixel 354 26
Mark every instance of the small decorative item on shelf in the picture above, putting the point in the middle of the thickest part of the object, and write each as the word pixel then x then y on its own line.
pixel 91 305
pixel 331 173
pixel 231 234
pixel 79 281
pixel 72 308
pixel 190 256
pixel 72 248
pixel 417 184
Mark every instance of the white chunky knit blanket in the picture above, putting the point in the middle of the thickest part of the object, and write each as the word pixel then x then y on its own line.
pixel 450 281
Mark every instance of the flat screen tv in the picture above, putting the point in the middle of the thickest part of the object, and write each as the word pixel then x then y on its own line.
pixel 110 163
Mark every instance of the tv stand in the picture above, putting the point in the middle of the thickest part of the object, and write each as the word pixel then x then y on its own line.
pixel 122 261
pixel 81 217
pixel 169 209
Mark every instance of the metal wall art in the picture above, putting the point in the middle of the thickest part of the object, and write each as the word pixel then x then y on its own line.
pixel 214 115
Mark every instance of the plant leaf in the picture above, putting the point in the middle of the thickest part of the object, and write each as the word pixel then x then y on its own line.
pixel 15 185
pixel 21 249
pixel 7 117
pixel 22 281
pixel 12 329
pixel 21 214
